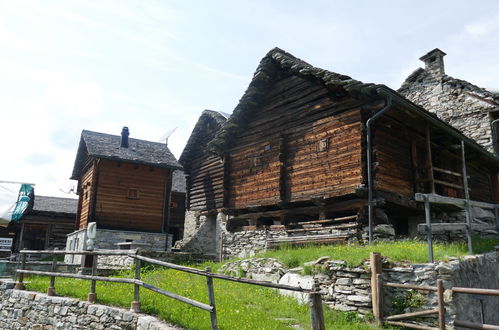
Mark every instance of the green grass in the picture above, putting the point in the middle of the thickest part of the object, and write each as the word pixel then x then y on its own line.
pixel 242 306
pixel 239 306
pixel 397 251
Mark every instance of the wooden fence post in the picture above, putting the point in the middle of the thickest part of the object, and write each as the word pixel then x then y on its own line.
pixel 379 288
pixel 20 277
pixel 316 312
pixel 136 293
pixel 92 296
pixel 211 297
pixel 51 288
pixel 441 306
pixel 375 261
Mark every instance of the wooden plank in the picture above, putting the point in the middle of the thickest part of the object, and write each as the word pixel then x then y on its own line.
pixel 412 314
pixel 460 226
pixel 438 199
pixel 410 325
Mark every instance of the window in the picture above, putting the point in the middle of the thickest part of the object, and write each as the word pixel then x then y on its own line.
pixel 132 193
pixel 323 145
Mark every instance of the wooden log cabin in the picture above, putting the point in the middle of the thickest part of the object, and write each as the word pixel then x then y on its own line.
pixel 294 155
pixel 46 222
pixel 124 184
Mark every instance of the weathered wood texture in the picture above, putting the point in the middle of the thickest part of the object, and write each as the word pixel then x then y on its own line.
pixel 278 156
pixel 86 190
pixel 177 215
pixel 116 210
pixel 54 230
pixel 204 171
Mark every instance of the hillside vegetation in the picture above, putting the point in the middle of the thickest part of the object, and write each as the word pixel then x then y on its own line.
pixel 243 306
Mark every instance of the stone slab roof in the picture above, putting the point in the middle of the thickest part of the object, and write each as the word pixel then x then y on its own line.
pixel 107 146
pixel 54 204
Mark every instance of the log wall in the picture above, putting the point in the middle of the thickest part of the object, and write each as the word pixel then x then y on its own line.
pixel 114 208
pixel 204 171
pixel 86 191
pixel 278 158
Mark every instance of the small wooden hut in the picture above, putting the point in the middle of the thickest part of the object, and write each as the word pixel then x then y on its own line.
pixel 46 222
pixel 124 184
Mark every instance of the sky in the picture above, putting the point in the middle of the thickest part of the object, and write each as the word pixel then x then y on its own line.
pixel 154 66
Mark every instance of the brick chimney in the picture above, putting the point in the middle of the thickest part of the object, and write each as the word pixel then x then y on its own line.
pixel 434 62
pixel 124 137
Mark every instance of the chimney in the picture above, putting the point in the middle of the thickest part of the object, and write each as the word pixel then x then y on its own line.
pixel 124 137
pixel 434 61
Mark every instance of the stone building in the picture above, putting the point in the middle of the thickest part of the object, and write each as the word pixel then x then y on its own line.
pixel 469 108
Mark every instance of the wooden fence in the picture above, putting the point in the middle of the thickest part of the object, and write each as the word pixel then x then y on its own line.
pixel 315 299
pixel 377 290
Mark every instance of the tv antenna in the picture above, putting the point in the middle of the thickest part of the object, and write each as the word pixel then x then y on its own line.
pixel 165 137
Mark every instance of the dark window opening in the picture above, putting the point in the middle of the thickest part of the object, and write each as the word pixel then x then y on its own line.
pixel 132 193
pixel 401 226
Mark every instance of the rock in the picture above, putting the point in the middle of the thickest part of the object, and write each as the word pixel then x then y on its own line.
pixel 296 280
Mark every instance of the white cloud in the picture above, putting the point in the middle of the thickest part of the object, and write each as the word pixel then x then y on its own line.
pixel 483 28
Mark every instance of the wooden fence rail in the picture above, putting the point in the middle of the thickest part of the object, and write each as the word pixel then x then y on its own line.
pixel 316 312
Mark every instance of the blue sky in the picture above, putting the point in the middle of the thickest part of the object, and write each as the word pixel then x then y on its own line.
pixel 154 66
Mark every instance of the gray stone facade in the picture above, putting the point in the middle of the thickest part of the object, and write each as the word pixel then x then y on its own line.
pixel 110 239
pixel 32 310
pixel 208 235
pixel 461 104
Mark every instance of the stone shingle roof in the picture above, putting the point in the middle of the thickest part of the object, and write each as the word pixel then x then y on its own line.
pixel 195 139
pixel 101 145
pixel 279 60
pixel 54 204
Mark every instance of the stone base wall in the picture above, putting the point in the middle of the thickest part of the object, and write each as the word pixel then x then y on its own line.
pixel 349 288
pixel 200 234
pixel 32 310
pixel 108 239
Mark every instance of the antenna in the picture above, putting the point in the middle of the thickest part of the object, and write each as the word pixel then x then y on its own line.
pixel 165 137
pixel 69 190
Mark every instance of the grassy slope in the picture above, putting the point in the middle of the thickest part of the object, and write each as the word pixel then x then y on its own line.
pixel 242 306
pixel 239 306
pixel 401 251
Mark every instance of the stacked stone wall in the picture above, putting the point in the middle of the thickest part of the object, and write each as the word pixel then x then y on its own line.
pixel 459 103
pixel 349 288
pixel 31 310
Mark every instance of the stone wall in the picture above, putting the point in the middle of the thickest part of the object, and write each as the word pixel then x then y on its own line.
pixel 108 239
pixel 349 288
pixel 32 310
pixel 200 234
pixel 459 103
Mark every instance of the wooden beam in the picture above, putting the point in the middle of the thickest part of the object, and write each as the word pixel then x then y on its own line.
pixel 444 227
pixel 459 202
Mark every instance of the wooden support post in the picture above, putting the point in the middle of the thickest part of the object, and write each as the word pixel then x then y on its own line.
pixel 51 288
pixel 20 277
pixel 467 197
pixel 316 312
pixel 379 288
pixel 211 297
pixel 375 261
pixel 430 161
pixel 92 296
pixel 441 304
pixel 429 237
pixel 136 289
pixel 496 213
